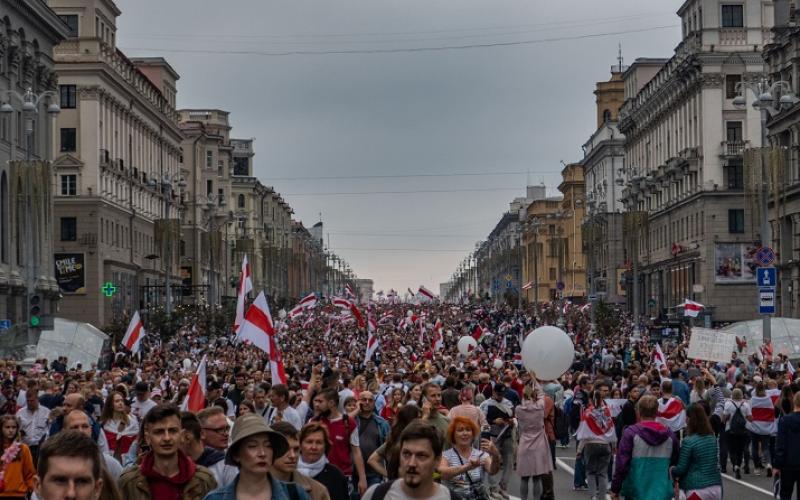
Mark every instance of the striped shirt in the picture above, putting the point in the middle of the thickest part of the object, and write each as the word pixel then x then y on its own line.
pixel 460 483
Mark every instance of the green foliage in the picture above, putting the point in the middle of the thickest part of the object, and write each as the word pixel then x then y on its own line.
pixel 607 321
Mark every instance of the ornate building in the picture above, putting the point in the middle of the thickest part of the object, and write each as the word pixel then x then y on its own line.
pixel 29 30
pixel 117 173
pixel 689 232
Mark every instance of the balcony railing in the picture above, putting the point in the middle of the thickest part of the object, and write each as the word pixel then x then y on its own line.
pixel 733 148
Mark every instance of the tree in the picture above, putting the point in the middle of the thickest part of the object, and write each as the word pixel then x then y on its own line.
pixel 606 319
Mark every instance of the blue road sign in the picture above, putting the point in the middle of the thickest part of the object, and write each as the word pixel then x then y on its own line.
pixel 509 284
pixel 766 301
pixel 560 285
pixel 767 277
pixel 765 256
pixel 5 324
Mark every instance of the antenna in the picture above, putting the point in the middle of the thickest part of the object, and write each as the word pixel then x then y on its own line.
pixel 619 57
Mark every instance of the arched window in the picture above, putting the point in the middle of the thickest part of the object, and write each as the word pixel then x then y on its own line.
pixel 240 201
pixel 606 116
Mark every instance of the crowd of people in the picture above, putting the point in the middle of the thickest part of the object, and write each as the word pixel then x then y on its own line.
pixel 418 419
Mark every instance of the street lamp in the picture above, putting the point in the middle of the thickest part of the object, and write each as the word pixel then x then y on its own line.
pixel 212 204
pixel 165 187
pixel 767 105
pixel 30 108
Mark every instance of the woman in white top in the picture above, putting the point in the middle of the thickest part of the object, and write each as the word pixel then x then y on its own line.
pixel 463 466
pixel 735 415
pixel 119 426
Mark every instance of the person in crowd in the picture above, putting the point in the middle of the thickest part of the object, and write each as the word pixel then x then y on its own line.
pixel 464 467
pixel 191 444
pixel 499 413
pixel 534 463
pixel 697 468
pixel 119 426
pixel 597 439
pixel 762 427
pixel 260 402
pixel 391 408
pixel 165 471
pixel 467 409
pixel 450 395
pixel 420 454
pixel 646 452
pixel 315 444
pixel 69 468
pixel 344 452
pixel 18 471
pixel 386 459
pixel 432 408
pixel 580 400
pixel 78 420
pixel 246 406
pixel 280 410
pixel 372 432
pixel 414 395
pixel 253 448
pixel 284 467
pixel 787 451
pixel 236 393
pixel 33 419
pixel 142 403
pixel 698 391
pixel 671 409
pixel 215 427
pixel 735 416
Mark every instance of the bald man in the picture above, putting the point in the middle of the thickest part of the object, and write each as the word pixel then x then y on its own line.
pixel 77 402
pixel 78 420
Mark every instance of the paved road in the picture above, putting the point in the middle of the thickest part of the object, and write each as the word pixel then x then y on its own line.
pixel 749 488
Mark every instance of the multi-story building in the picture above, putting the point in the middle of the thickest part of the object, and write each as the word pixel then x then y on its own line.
pixel 603 163
pixel 206 163
pixel 29 30
pixel 306 262
pixel 117 173
pixel 689 229
pixel 784 134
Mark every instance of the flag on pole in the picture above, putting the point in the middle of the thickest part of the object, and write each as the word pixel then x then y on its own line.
pixel 424 291
pixel 372 340
pixel 276 367
pixel 348 288
pixel 344 303
pixel 691 308
pixel 195 399
pixel 309 300
pixel 438 341
pixel 257 326
pixel 245 287
pixel 658 357
pixel 296 311
pixel 133 335
pixel 528 285
pixel 477 333
pixel 327 334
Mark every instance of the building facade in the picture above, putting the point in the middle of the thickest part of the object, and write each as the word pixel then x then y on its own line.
pixel 29 30
pixel 689 231
pixel 117 173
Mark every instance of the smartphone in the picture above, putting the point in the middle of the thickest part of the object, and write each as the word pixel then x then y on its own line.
pixel 486 435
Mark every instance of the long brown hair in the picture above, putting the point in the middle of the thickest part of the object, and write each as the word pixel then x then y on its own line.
pixel 697 421
pixel 108 409
pixel 3 420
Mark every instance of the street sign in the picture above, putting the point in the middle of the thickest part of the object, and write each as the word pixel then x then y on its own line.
pixel 5 324
pixel 109 289
pixel 509 284
pixel 765 256
pixel 766 301
pixel 767 277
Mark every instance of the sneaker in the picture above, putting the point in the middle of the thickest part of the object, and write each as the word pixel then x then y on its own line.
pixel 737 473
pixel 747 469
pixel 769 471
pixel 584 487
pixel 757 471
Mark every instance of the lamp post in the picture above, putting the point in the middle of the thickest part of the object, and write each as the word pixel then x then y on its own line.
pixel 164 186
pixel 212 203
pixel 768 105
pixel 30 108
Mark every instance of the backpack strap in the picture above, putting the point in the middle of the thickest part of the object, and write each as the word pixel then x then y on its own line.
pixel 383 488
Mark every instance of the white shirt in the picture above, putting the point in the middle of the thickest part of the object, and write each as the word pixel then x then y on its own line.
pixel 730 409
pixel 396 493
pixel 34 425
pixel 140 408
pixel 113 467
pixel 289 415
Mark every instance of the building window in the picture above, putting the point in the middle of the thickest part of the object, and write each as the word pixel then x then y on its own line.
pixel 69 185
pixel 71 20
pixel 209 187
pixel 67 93
pixel 240 202
pixel 68 140
pixel 240 166
pixel 733 16
pixel 734 176
pixel 209 159
pixel 733 132
pixel 731 81
pixel 69 228
pixel 606 116
pixel 552 274
pixel 736 220
pixel 221 197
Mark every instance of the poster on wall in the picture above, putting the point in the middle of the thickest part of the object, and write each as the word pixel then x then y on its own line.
pixel 735 263
pixel 70 272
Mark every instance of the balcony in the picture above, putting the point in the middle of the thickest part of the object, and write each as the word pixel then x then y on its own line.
pixel 732 149
pixel 733 36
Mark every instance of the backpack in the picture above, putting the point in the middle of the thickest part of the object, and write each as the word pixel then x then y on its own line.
pixel 738 425
pixel 561 427
pixel 383 488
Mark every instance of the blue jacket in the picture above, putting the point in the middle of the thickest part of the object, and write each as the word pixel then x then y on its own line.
pixel 787 444
pixel 280 491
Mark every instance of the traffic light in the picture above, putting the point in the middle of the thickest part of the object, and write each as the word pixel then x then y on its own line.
pixel 35 311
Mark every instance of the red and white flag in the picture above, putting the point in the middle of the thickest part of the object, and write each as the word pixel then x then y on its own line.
pixel 348 289
pixel 257 327
pixel 691 308
pixel 790 369
pixel 585 307
pixel 132 340
pixel 774 395
pixel 372 341
pixel 672 414
pixel 309 300
pixel 477 333
pixel 245 287
pixel 424 291
pixel 327 334
pixel 567 305
pixel 658 357
pixel 276 367
pixel 421 333
pixel 528 285
pixel 763 410
pixel 438 341
pixel 296 311
pixel 195 399
pixel 596 423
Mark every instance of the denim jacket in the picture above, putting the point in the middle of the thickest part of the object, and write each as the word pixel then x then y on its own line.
pixel 280 491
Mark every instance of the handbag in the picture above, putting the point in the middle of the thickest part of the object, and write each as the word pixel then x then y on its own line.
pixel 477 491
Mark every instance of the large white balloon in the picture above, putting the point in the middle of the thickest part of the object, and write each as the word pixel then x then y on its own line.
pixel 548 351
pixel 466 345
pixel 497 363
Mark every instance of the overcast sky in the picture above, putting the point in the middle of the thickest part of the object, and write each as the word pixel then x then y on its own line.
pixel 333 92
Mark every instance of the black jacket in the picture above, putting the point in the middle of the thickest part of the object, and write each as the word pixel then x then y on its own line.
pixel 787 444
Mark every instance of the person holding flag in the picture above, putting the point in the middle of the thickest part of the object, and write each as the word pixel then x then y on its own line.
pixel 597 439
pixel 671 411
pixel 245 287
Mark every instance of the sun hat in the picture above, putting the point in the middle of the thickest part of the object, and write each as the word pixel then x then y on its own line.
pixel 250 425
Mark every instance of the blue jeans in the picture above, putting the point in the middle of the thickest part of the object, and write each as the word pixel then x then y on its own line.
pixel 580 471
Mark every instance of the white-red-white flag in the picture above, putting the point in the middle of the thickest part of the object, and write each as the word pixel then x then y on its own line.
pixel 257 326
pixel 372 340
pixel 195 399
pixel 528 285
pixel 245 287
pixel 691 308
pixel 438 340
pixel 346 304
pixel 348 289
pixel 309 300
pixel 134 334
pixel 424 291
pixel 658 357
pixel 276 367
pixel 327 334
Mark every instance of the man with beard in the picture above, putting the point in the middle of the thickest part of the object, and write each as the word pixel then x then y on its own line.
pixel 420 453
